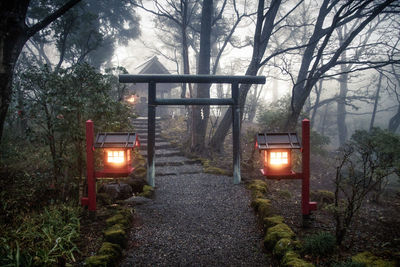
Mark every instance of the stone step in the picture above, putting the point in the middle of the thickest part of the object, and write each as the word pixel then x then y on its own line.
pixel 144 128
pixel 178 170
pixel 175 161
pixel 160 153
pixel 159 145
pixel 143 136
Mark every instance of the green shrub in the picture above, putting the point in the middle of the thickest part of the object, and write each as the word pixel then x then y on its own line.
pixel 319 244
pixel 41 238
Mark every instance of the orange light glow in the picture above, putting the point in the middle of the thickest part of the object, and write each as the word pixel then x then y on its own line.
pixel 131 99
pixel 279 158
pixel 116 157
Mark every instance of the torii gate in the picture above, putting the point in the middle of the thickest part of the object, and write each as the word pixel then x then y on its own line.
pixel 152 80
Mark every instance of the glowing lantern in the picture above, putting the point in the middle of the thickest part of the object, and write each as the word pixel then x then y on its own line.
pixel 132 99
pixel 277 148
pixel 117 147
pixel 117 160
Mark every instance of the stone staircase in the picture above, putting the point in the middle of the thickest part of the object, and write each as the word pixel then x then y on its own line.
pixel 168 160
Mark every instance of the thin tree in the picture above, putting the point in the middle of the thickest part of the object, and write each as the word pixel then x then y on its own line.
pixel 14 33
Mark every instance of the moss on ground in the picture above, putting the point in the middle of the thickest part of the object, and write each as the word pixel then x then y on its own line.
pixel 370 260
pixel 115 234
pixel 110 249
pixel 282 246
pixel 148 191
pixel 216 170
pixel 275 233
pixel 272 221
pixel 258 185
pixel 262 206
pixel 99 260
pixel 118 219
pixel 292 259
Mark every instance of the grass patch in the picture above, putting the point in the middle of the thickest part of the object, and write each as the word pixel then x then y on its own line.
pixel 42 238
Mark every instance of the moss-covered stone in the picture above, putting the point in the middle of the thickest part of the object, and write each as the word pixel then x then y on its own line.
pixel 272 221
pixel 299 263
pixel 257 194
pixel 117 219
pixel 110 249
pixel 258 185
pixel 99 260
pixel 262 206
pixel 148 191
pixel 370 260
pixel 116 235
pixel 277 232
pixel 282 246
pixel 292 259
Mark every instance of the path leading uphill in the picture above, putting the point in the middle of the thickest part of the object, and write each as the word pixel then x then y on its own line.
pixel 195 219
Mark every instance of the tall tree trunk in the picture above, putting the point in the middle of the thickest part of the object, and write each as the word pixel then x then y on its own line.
pixel 341 108
pixel 300 91
pixel 10 48
pixel 394 121
pixel 376 100
pixel 13 35
pixel 201 114
pixel 185 49
pixel 261 39
pixel 318 90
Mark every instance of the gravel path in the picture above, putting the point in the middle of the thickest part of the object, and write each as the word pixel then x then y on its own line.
pixel 196 220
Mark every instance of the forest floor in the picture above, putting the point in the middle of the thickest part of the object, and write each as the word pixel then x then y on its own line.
pixel 374 228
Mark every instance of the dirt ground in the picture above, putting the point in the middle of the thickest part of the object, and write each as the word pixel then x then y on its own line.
pixel 375 228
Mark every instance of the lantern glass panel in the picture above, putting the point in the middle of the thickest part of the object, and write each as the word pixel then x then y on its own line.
pixel 116 157
pixel 279 158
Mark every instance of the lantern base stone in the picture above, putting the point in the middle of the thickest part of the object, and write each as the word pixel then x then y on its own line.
pixel 281 175
pixel 114 172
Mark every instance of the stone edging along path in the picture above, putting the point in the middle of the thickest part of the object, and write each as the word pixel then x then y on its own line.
pixel 194 218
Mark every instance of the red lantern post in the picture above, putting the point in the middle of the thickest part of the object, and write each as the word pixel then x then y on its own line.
pixel 117 159
pixel 277 149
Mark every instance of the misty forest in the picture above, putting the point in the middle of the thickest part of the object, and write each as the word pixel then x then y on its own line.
pixel 300 167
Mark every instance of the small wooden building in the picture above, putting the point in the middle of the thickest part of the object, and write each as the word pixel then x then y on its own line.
pixel 138 92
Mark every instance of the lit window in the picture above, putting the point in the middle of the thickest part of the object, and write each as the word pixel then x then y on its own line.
pixel 115 156
pixel 279 158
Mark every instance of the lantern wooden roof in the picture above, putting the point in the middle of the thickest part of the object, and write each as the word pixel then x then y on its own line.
pixel 116 140
pixel 277 141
